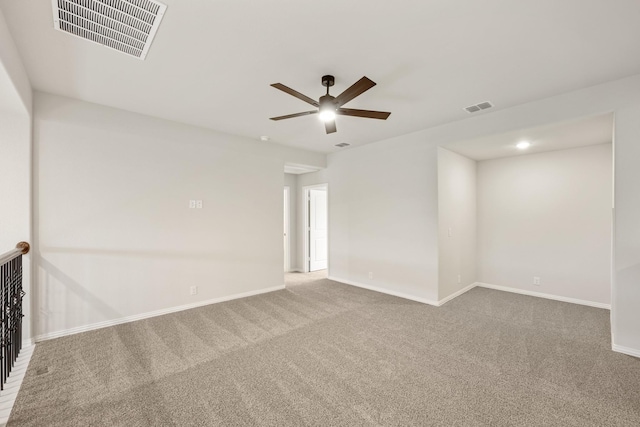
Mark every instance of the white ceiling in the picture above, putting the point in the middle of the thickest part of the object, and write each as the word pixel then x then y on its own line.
pixel 212 62
pixel 559 136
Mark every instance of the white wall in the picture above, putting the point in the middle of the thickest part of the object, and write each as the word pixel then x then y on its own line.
pixel 383 216
pixel 15 161
pixel 115 235
pixel 456 222
pixel 626 288
pixel 291 181
pixel 548 215
pixel 15 197
pixel 15 89
pixel 383 197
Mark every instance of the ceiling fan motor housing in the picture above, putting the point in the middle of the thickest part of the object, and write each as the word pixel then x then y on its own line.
pixel 328 102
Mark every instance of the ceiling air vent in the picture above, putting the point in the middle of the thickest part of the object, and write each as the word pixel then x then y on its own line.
pixel 478 107
pixel 125 25
pixel 342 144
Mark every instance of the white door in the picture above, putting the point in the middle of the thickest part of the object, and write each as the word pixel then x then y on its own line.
pixel 317 230
pixel 287 255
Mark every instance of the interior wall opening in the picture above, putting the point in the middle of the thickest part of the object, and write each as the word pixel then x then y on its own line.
pixel 542 220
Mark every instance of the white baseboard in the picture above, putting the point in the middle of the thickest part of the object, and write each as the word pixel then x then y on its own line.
pixel 383 291
pixel 295 270
pixel 147 315
pixel 13 384
pixel 457 294
pixel 468 288
pixel 543 295
pixel 625 350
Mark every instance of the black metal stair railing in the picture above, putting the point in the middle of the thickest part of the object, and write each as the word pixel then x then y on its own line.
pixel 11 295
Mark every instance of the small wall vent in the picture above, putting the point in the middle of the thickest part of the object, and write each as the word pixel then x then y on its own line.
pixel 128 26
pixel 342 144
pixel 478 107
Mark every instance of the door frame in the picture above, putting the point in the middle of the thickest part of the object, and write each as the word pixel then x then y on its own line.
pixel 305 203
pixel 287 228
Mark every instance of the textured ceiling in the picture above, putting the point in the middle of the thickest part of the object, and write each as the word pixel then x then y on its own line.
pixel 212 62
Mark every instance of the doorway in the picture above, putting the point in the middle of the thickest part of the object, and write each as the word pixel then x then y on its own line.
pixel 316 227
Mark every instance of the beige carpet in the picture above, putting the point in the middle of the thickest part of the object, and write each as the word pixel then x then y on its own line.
pixel 325 354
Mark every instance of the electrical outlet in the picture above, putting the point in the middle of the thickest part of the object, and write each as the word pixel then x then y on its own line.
pixel 198 204
pixel 371 275
pixel 193 290
pixel 449 232
pixel 459 278
pixel 192 204
pixel 536 280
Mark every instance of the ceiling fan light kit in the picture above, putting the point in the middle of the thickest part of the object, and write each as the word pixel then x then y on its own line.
pixel 329 106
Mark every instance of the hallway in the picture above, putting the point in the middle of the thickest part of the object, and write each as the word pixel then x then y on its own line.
pixel 295 278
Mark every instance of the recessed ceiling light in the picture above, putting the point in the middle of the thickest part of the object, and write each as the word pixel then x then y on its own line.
pixel 264 138
pixel 523 145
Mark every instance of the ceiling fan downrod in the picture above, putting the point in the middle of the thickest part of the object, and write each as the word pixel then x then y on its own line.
pixel 328 81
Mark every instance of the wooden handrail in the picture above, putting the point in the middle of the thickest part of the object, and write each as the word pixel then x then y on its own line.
pixel 21 249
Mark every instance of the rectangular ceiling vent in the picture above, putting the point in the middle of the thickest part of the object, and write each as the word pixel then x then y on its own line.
pixel 124 25
pixel 478 107
pixel 342 144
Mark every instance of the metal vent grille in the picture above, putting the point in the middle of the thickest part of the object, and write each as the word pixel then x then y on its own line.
pixel 342 144
pixel 478 107
pixel 128 26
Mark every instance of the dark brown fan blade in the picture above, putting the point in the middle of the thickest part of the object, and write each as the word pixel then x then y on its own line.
pixel 363 113
pixel 358 88
pixel 290 116
pixel 330 127
pixel 296 94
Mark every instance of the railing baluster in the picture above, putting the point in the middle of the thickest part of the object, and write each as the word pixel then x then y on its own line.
pixel 11 294
pixel 5 324
pixel 3 282
pixel 3 343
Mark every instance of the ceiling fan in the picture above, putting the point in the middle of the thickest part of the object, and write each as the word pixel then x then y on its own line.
pixel 330 106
